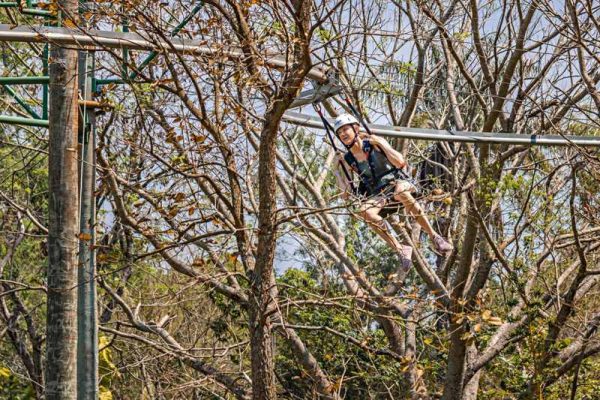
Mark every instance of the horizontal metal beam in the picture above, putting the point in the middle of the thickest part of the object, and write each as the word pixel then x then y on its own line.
pixel 8 119
pixel 454 136
pixel 94 39
pixel 39 13
pixel 23 80
pixel 29 9
pixel 109 81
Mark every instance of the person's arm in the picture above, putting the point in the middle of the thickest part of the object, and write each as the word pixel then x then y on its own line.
pixel 340 177
pixel 395 157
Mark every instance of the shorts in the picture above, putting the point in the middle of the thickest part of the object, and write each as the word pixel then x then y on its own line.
pixel 384 197
pixel 387 191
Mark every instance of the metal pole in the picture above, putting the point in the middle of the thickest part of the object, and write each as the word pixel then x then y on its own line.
pixel 117 40
pixel 9 119
pixel 174 33
pixel 87 327
pixel 45 85
pixel 152 54
pixel 39 13
pixel 23 80
pixel 21 102
pixel 454 136
pixel 125 24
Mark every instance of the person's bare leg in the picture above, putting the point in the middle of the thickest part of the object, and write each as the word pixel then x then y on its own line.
pixel 385 235
pixel 403 195
pixel 369 211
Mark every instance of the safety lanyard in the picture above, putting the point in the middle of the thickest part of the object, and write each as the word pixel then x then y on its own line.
pixel 368 150
pixel 329 130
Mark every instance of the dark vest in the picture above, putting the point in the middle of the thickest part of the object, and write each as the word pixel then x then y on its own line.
pixel 375 173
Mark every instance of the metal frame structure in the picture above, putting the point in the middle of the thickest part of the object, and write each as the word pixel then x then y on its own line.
pixel 320 90
pixel 99 40
pixel 87 316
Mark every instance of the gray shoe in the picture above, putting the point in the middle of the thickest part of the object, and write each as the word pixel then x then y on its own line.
pixel 441 246
pixel 405 256
pixel 396 279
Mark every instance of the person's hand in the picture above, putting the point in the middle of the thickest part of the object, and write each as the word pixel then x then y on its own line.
pixel 339 156
pixel 377 140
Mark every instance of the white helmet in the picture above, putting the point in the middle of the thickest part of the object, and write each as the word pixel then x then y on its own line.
pixel 344 119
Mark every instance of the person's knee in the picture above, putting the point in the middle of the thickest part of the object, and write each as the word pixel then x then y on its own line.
pixel 404 197
pixel 403 186
pixel 409 202
pixel 370 215
pixel 363 214
pixel 369 212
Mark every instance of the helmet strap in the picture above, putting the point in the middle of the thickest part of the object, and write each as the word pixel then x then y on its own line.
pixel 355 137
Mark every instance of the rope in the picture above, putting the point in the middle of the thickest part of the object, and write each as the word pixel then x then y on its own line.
pixel 329 130
pixel 356 114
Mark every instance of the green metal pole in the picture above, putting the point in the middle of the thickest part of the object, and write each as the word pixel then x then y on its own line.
pixel 174 32
pixel 187 19
pixel 87 314
pixel 23 80
pixel 109 81
pixel 11 120
pixel 45 85
pixel 124 70
pixel 39 13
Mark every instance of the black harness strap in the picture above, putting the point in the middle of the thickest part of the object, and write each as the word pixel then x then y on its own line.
pixel 400 173
pixel 357 114
pixel 329 130
pixel 373 185
pixel 359 117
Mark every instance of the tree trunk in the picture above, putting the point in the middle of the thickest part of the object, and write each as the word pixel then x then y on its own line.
pixel 453 385
pixel 61 328
pixel 263 295
pixel 472 385
pixel 263 291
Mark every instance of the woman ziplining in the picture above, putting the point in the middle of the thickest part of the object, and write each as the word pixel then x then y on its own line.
pixel 382 182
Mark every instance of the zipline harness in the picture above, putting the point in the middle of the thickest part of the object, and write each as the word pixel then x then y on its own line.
pixel 380 171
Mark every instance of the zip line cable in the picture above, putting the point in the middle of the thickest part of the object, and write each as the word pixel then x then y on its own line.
pixel 448 135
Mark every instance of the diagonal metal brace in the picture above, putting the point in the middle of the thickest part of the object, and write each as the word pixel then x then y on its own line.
pixel 320 91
